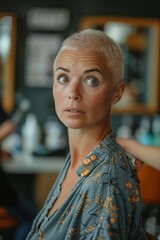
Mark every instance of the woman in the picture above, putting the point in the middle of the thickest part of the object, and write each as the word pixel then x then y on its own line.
pixel 96 195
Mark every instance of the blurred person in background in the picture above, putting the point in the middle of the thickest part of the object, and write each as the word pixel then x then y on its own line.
pixel 149 155
pixel 16 212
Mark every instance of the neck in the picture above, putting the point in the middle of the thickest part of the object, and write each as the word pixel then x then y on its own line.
pixel 82 142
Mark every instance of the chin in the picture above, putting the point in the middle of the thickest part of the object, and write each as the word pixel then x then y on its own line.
pixel 73 124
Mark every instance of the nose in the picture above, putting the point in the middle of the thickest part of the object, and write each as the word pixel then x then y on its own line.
pixel 74 93
pixel 74 96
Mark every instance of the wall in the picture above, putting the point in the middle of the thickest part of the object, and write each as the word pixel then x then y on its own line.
pixel 78 9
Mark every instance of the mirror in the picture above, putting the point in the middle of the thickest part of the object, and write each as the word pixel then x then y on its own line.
pixel 7 59
pixel 139 40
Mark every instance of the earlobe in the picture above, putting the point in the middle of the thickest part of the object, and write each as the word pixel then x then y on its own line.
pixel 118 92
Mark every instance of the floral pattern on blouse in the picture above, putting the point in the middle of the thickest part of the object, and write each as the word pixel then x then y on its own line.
pixel 105 203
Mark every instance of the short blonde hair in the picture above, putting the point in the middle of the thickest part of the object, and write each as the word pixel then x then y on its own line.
pixel 98 42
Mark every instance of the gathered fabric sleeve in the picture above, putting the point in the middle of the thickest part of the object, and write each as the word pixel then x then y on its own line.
pixel 109 206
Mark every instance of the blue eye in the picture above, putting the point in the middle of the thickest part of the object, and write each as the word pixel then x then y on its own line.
pixel 93 82
pixel 63 79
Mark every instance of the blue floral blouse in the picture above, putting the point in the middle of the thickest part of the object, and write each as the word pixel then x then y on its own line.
pixel 105 203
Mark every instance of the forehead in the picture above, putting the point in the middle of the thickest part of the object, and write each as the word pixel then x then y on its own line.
pixel 78 57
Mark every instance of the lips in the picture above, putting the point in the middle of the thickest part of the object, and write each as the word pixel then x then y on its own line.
pixel 73 110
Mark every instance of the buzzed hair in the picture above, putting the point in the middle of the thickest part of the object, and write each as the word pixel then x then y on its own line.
pixel 97 41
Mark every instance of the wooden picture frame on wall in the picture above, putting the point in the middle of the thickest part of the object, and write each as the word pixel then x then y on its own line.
pixel 140 42
pixel 41 50
pixel 7 59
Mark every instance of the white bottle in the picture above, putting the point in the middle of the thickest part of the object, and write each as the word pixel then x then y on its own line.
pixel 156 130
pixel 30 134
pixel 125 128
pixel 142 134
pixel 54 134
pixel 151 225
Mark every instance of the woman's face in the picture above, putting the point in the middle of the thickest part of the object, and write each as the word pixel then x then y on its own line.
pixel 83 89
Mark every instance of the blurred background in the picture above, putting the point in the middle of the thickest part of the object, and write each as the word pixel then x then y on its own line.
pixel 34 149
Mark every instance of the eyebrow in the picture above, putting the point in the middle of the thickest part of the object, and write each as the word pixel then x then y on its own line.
pixel 92 70
pixel 86 71
pixel 62 68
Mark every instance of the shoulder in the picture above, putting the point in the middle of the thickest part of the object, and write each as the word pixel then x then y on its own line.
pixel 114 172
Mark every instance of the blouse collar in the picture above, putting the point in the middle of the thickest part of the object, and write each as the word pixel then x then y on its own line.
pixel 95 157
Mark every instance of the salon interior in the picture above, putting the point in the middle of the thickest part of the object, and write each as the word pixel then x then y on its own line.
pixel 30 35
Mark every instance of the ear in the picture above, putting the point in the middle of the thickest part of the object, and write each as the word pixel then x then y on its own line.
pixel 118 92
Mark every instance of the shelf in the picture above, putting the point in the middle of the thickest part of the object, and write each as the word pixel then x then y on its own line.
pixel 24 163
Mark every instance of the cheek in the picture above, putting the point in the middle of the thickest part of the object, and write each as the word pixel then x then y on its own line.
pixel 57 96
pixel 57 92
pixel 102 100
pixel 54 94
